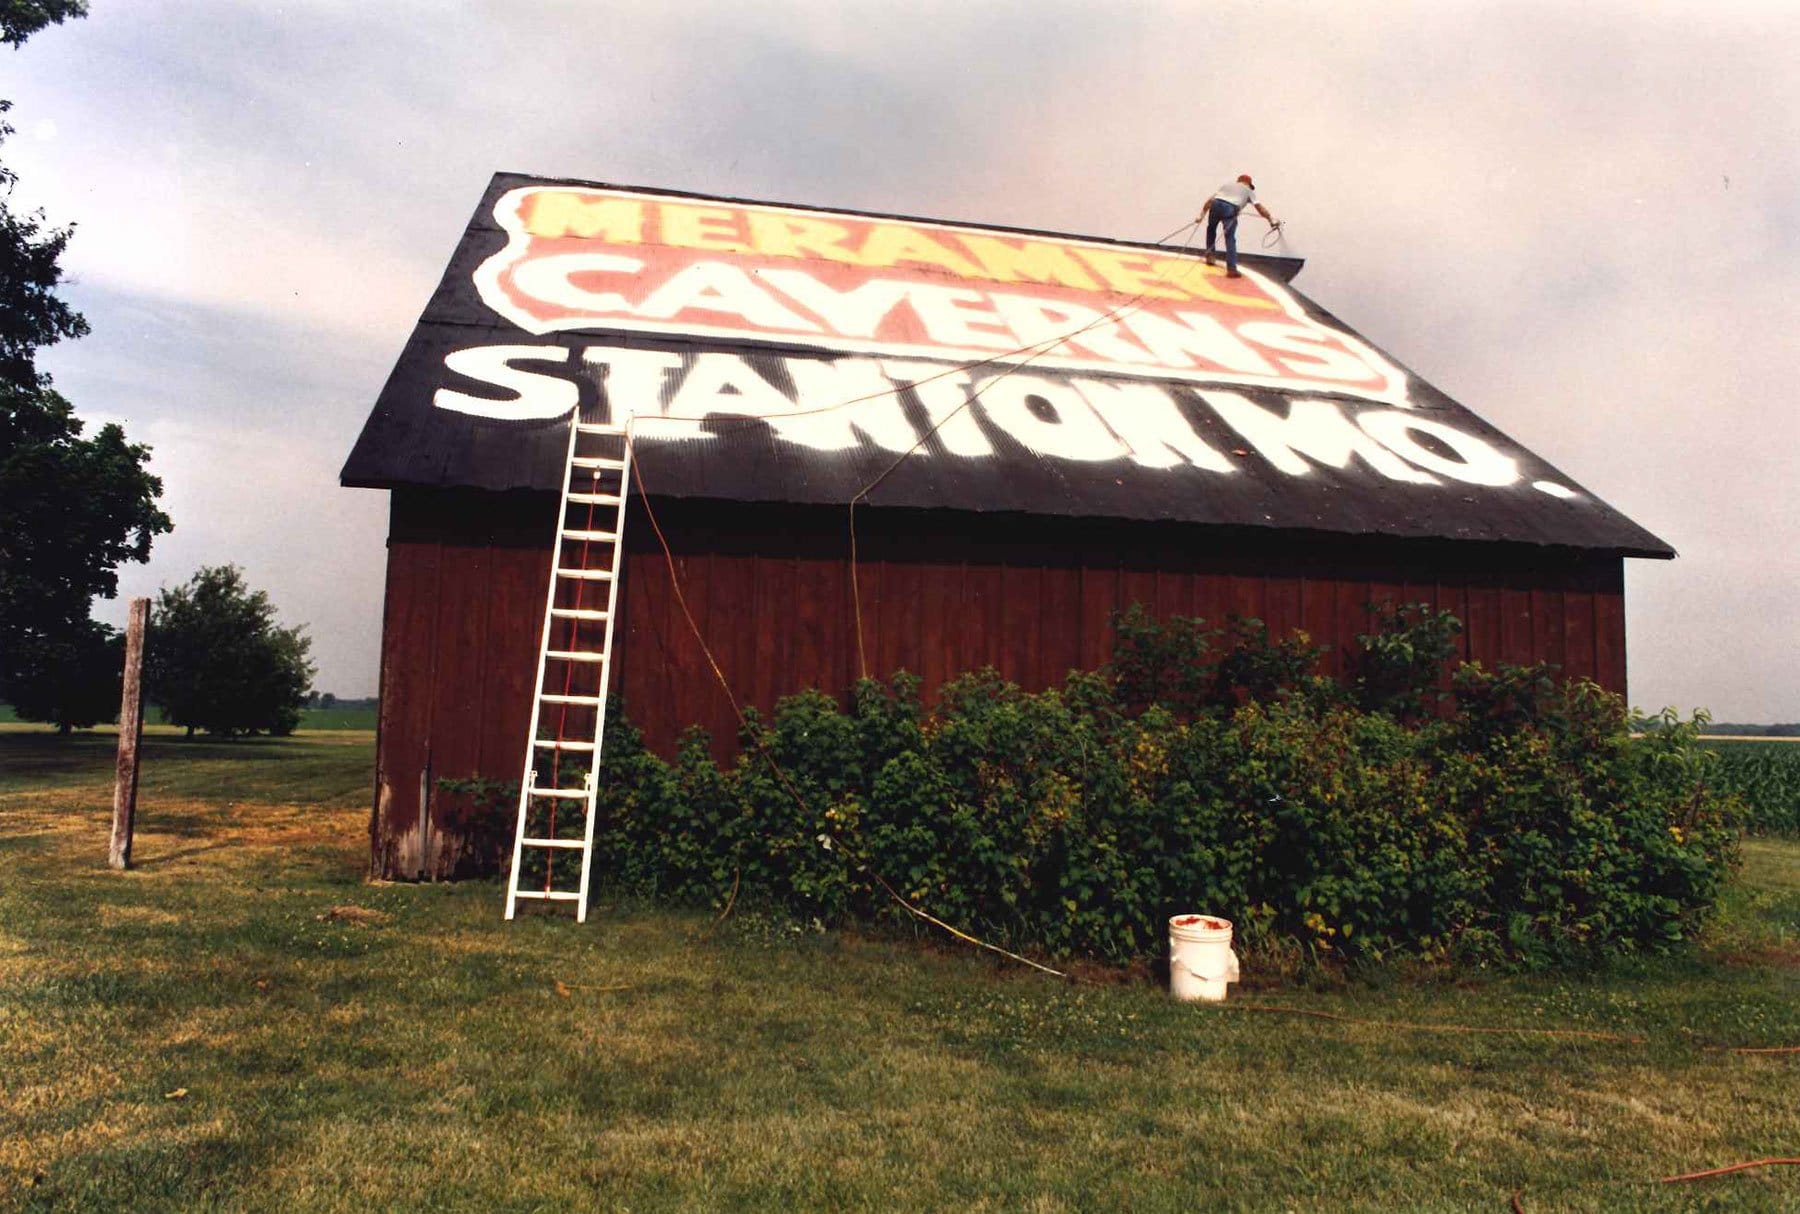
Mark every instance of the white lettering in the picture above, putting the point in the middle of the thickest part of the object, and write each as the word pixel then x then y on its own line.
pixel 1077 433
pixel 856 313
pixel 1479 463
pixel 1152 425
pixel 1038 322
pixel 841 399
pixel 951 316
pixel 1198 338
pixel 1316 429
pixel 726 383
pixel 633 379
pixel 943 391
pixel 547 279
pixel 535 395
pixel 1308 354
pixel 716 286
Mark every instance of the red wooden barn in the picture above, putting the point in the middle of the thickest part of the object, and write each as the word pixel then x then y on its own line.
pixel 1042 428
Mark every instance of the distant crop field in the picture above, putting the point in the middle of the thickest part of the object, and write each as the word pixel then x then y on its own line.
pixel 1766 773
pixel 338 718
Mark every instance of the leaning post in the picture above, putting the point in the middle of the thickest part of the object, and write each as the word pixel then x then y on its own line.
pixel 131 732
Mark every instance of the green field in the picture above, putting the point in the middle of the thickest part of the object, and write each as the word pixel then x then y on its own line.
pixel 360 717
pixel 244 1023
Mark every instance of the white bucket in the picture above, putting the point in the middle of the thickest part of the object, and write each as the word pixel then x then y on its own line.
pixel 1200 958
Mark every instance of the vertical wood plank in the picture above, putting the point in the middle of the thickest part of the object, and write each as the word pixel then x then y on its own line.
pixel 1484 623
pixel 1318 610
pixel 1059 614
pixel 938 619
pixel 1023 587
pixel 1547 625
pixel 1609 641
pixel 408 668
pixel 983 594
pixel 1578 633
pixel 1515 624
pixel 1099 599
pixel 131 734
pixel 1281 598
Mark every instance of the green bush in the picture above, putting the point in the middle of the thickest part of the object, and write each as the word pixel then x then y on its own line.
pixel 1527 826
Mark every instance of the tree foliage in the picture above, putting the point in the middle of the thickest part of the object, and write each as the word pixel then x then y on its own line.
pixel 72 507
pixel 20 19
pixel 217 660
pixel 71 680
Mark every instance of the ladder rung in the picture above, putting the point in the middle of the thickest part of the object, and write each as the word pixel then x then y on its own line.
pixel 552 896
pixel 575 655
pixel 586 575
pixel 576 613
pixel 571 844
pixel 599 428
pixel 594 537
pixel 590 701
pixel 558 744
pixel 559 792
pixel 595 499
pixel 600 463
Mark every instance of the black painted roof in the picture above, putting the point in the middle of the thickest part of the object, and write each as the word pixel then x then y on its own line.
pixel 1287 420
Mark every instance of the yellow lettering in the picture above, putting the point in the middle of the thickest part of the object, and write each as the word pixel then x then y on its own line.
pixel 691 227
pixel 1028 261
pixel 889 244
pixel 1129 272
pixel 554 213
pixel 1199 280
pixel 789 236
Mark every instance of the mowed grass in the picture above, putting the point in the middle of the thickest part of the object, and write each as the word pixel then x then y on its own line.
pixel 243 1023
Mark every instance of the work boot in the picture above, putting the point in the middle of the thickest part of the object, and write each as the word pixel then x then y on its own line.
pixel 1233 274
pixel 1210 261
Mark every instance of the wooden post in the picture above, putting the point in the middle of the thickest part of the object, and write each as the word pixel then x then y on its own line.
pixel 131 732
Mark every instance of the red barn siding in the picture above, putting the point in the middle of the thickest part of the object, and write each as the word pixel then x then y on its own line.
pixel 770 590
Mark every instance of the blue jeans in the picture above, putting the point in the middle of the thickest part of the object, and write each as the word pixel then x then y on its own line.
pixel 1222 212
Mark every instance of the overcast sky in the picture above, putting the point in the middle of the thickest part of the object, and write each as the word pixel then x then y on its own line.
pixel 1582 221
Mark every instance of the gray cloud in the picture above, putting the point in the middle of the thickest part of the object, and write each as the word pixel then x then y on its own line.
pixel 1526 203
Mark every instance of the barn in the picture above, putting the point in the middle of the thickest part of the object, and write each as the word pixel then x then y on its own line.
pixel 1037 430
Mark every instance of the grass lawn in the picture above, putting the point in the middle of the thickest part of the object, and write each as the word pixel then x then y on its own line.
pixel 243 1023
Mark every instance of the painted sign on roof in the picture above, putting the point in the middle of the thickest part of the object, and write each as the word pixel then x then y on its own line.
pixel 581 258
pixel 774 353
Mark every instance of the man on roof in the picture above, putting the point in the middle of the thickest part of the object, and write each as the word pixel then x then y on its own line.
pixel 1223 208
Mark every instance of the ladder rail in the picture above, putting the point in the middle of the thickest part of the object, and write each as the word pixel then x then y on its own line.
pixel 586 534
pixel 537 687
pixel 612 613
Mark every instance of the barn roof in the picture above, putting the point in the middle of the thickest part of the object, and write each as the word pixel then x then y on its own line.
pixel 773 353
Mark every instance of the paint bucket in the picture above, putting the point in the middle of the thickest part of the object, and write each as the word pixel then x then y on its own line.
pixel 1201 962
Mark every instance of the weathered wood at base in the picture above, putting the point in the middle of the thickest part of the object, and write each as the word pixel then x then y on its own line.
pixel 131 732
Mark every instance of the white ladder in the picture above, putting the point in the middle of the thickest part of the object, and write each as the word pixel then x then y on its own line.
pixel 568 705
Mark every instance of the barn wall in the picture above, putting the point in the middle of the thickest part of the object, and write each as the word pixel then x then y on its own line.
pixel 770 590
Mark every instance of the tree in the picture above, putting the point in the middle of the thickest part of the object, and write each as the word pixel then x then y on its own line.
pixel 73 680
pixel 72 509
pixel 216 659
pixel 20 19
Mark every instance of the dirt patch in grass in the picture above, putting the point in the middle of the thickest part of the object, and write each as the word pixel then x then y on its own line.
pixel 363 916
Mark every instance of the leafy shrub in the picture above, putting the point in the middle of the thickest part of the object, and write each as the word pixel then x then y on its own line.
pixel 1172 662
pixel 1395 669
pixel 1527 827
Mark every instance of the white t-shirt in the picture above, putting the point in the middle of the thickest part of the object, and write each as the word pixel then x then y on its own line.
pixel 1237 194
